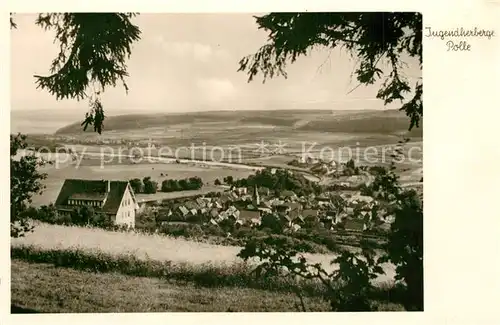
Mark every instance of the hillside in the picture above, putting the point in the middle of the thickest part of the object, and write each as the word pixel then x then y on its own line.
pixel 381 122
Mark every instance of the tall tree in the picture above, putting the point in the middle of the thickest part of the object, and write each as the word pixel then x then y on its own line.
pixel 375 39
pixel 25 182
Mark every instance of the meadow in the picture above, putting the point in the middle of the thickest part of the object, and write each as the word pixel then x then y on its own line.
pixel 246 129
pixel 155 247
pixel 50 289
pixel 71 274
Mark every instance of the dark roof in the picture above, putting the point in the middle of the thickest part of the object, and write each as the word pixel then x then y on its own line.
pixel 287 194
pixel 249 214
pixel 81 187
pixel 88 196
pixel 309 213
pixel 282 207
pixel 354 225
pixel 293 205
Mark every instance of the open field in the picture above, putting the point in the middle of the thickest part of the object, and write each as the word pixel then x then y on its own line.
pixel 245 129
pixel 58 290
pixel 56 177
pixel 151 246
pixel 348 121
pixel 50 289
pixel 234 136
pixel 121 168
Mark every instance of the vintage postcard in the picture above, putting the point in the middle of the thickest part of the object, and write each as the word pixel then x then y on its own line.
pixel 240 162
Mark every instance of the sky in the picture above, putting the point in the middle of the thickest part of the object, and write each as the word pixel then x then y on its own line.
pixel 189 62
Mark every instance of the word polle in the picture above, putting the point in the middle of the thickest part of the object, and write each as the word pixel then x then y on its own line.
pixel 460 46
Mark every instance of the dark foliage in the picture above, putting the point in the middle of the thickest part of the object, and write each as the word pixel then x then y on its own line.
pixel 188 184
pixel 150 186
pixel 93 49
pixel 279 181
pixel 137 185
pixel 374 39
pixel 25 181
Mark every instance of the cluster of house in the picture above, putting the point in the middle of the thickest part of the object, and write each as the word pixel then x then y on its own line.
pixel 102 141
pixel 248 206
pixel 240 206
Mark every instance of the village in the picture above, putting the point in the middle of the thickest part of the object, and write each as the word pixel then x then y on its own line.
pixel 259 207
pixel 329 212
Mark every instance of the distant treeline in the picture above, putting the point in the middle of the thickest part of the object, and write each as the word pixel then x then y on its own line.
pixel 280 180
pixel 149 186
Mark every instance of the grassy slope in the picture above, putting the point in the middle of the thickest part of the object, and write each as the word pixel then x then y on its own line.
pixel 46 288
pixel 160 248
pixel 383 122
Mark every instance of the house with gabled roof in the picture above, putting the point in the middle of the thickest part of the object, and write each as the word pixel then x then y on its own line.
pixel 116 199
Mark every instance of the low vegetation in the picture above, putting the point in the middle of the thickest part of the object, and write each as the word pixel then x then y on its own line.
pixel 215 277
pixel 148 186
pixel 51 290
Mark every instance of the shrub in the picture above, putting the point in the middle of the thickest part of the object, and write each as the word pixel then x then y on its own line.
pixel 214 230
pixel 206 275
pixel 63 219
pixel 101 220
pixel 182 230
pixel 137 185
pixel 150 186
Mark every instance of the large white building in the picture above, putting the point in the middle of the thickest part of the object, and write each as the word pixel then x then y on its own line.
pixel 116 199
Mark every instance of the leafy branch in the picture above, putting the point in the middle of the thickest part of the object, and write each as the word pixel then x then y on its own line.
pixel 93 49
pixel 377 39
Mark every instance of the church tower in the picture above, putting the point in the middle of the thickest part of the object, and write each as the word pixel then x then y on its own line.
pixel 256 198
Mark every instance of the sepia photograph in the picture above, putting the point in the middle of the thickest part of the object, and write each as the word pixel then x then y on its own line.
pixel 216 162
